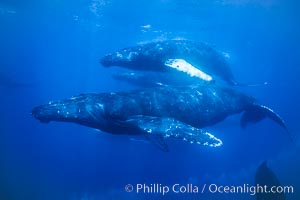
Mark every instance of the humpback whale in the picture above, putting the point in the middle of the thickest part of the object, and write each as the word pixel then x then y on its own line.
pixel 266 177
pixel 163 112
pixel 189 57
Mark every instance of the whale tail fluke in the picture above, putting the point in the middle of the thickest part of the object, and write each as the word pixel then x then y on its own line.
pixel 256 113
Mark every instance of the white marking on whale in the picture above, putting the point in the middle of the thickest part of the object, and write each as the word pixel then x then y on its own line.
pixel 183 66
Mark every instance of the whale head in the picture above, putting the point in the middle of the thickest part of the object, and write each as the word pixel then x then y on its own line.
pixel 138 58
pixel 122 58
pixel 84 109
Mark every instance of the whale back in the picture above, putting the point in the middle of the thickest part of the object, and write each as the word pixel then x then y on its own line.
pixel 198 105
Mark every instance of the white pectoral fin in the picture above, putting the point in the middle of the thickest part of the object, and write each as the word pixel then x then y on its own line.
pixel 156 129
pixel 184 66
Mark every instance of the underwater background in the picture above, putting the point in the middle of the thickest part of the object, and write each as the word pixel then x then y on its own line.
pixel 50 50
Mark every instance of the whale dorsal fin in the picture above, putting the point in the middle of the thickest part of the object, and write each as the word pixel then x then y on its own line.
pixel 162 128
pixel 185 67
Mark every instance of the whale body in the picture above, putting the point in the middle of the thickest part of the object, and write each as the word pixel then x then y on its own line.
pixel 163 112
pixel 196 59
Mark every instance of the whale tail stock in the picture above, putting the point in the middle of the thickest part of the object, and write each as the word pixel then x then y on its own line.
pixel 258 112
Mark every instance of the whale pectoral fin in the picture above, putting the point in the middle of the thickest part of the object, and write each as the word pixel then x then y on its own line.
pixel 184 66
pixel 172 128
pixel 258 112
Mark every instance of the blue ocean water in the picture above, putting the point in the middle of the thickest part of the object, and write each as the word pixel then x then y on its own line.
pixel 50 50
